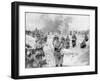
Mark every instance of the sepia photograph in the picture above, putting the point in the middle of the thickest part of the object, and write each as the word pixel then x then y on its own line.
pixel 56 40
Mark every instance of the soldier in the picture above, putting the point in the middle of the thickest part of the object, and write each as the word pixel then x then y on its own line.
pixel 83 44
pixel 74 40
pixel 57 53
pixel 86 37
pixel 67 43
pixel 39 53
pixel 28 60
pixel 62 43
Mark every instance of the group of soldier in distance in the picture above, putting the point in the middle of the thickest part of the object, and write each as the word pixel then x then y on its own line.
pixel 34 56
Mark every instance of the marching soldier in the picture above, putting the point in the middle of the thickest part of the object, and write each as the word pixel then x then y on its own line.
pixel 74 40
pixel 83 44
pixel 57 54
pixel 86 37
pixel 67 42
pixel 62 43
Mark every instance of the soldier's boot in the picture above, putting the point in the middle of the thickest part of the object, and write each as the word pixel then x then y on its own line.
pixel 61 65
pixel 57 65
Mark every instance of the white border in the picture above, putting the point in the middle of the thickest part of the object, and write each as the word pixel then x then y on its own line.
pixel 38 71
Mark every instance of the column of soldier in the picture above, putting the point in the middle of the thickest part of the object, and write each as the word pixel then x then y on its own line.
pixel 59 44
pixel 35 58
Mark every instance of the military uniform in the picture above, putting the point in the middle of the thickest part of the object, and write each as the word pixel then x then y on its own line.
pixel 86 38
pixel 57 53
pixel 39 53
pixel 67 42
pixel 74 40
pixel 83 44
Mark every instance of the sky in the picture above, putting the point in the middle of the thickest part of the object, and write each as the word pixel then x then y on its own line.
pixel 51 22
